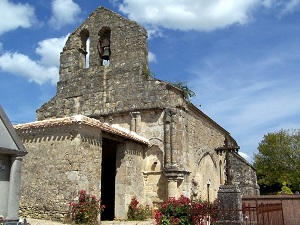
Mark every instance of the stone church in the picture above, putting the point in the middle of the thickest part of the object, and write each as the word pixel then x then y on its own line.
pixel 114 130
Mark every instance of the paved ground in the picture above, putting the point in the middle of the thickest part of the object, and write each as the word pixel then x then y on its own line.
pixel 49 222
pixel 42 222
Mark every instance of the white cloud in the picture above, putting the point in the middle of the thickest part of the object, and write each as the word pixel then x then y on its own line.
pixel 64 12
pixel 203 15
pixel 41 71
pixel 151 57
pixel 267 3
pixel 17 15
pixel 21 65
pixel 291 6
pixel 49 50
pixel 284 6
pixel 245 156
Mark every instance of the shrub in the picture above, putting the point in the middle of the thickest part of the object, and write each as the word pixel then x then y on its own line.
pixel 184 87
pixel 86 210
pixel 137 211
pixel 183 211
pixel 285 189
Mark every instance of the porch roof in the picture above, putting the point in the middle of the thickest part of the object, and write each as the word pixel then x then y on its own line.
pixel 80 119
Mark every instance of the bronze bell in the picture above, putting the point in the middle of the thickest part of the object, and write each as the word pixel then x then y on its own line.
pixel 106 53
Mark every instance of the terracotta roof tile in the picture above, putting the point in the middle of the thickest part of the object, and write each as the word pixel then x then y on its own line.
pixel 80 119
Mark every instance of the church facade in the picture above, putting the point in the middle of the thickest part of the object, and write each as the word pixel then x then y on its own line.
pixel 114 130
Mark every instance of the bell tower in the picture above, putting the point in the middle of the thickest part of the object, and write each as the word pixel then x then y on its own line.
pixel 103 53
pixel 111 38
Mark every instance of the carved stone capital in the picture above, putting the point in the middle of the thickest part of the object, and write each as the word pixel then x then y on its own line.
pixel 172 172
pixel 169 113
pixel 135 114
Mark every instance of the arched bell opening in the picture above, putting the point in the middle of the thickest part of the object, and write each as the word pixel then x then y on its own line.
pixel 104 45
pixel 84 49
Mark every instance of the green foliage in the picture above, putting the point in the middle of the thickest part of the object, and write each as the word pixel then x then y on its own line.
pixel 137 211
pixel 147 73
pixel 285 189
pixel 183 211
pixel 86 210
pixel 184 87
pixel 278 162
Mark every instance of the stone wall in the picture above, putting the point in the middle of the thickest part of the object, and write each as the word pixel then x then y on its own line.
pixel 110 94
pixel 61 161
pixel 206 166
pixel 195 153
pixel 244 175
pixel 149 124
pixel 129 177
pixel 125 85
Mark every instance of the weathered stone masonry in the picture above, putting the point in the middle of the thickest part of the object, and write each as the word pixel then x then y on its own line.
pixel 66 156
pixel 174 154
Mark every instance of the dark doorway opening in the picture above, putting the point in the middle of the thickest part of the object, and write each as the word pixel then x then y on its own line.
pixel 109 149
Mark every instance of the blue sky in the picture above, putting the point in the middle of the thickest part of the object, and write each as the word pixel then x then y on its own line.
pixel 241 58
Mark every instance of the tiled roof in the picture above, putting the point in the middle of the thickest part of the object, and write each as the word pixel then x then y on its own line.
pixel 80 119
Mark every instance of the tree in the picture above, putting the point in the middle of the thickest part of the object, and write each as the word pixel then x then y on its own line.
pixel 278 162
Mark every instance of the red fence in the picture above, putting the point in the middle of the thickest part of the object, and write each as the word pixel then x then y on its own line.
pixel 263 214
pixel 290 206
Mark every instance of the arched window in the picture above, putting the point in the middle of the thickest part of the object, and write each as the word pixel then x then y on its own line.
pixel 84 48
pixel 104 45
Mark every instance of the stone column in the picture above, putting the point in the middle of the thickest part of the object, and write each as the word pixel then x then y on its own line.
pixel 173 175
pixel 173 139
pixel 14 188
pixel 135 123
pixel 167 135
pixel 172 187
pixel 167 144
